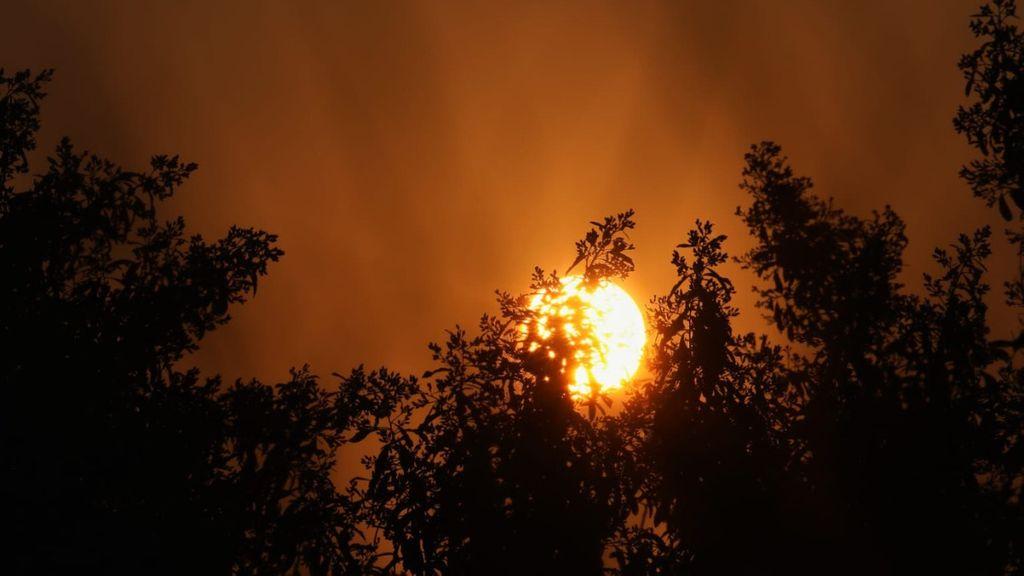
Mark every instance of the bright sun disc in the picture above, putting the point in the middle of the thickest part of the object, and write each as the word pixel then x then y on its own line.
pixel 603 328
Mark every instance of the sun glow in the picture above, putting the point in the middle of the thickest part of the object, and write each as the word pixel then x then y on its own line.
pixel 601 329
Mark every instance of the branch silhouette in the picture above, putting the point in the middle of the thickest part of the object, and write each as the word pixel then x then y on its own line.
pixel 878 430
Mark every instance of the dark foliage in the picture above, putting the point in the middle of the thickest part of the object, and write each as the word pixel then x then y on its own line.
pixel 114 460
pixel 709 426
pixel 993 121
pixel 891 430
pixel 880 435
pixel 993 124
pixel 490 469
pixel 884 430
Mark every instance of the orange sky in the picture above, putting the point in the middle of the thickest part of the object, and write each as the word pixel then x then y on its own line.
pixel 414 156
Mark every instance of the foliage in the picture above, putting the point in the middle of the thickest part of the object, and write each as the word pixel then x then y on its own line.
pixel 115 460
pixel 892 425
pixel 880 434
pixel 992 123
pixel 708 424
pixel 488 468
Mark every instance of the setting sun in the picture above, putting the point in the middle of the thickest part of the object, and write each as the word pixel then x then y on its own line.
pixel 602 327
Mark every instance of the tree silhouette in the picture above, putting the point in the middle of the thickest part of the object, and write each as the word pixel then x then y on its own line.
pixel 992 121
pixel 879 431
pixel 884 430
pixel 893 420
pixel 708 424
pixel 993 124
pixel 490 469
pixel 115 460
pixel 889 427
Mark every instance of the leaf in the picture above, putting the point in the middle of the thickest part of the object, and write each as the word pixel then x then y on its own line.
pixel 360 436
pixel 1004 209
pixel 1018 197
pixel 575 262
pixel 990 380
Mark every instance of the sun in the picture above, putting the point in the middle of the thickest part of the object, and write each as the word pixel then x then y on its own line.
pixel 601 327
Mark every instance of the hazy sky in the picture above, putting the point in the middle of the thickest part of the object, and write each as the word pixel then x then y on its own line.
pixel 415 156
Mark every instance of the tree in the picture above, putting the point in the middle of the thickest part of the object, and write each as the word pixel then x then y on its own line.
pixel 878 432
pixel 490 468
pixel 993 123
pixel 890 423
pixel 894 419
pixel 114 459
pixel 711 427
pixel 884 429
